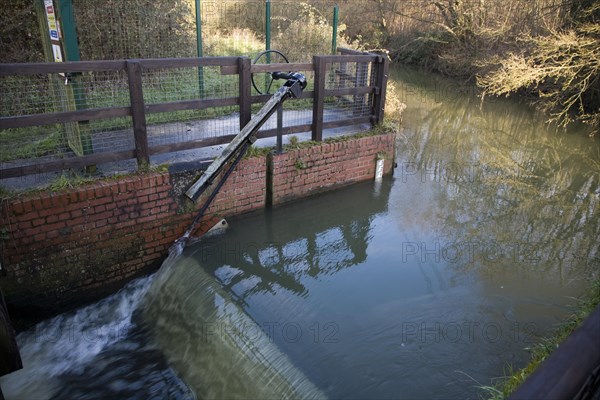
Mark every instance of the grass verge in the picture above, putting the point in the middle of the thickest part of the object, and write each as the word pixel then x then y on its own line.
pixel 514 378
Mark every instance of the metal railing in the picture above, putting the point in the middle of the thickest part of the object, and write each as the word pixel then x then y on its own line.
pixel 56 116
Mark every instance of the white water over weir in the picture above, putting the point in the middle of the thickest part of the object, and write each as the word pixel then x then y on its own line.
pixel 225 346
pixel 204 344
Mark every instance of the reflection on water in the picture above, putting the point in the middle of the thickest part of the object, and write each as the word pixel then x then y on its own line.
pixel 425 286
pixel 502 176
pixel 361 294
pixel 281 248
pixel 465 259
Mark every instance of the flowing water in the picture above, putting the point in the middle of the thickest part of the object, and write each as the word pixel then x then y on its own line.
pixel 427 285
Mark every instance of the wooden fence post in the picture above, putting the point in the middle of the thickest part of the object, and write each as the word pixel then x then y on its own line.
pixel 138 112
pixel 382 71
pixel 244 71
pixel 319 97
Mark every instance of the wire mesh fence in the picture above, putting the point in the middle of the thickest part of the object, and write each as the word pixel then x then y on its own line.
pixel 135 29
pixel 29 96
pixel 48 93
pixel 169 28
pixel 298 29
pixel 350 77
pixel 184 84
pixel 54 93
pixel 301 30
pixel 185 104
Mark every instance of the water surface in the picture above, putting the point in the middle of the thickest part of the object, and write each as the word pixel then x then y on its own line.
pixel 427 285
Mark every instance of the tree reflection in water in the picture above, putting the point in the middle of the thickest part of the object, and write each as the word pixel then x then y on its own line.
pixel 283 247
pixel 502 175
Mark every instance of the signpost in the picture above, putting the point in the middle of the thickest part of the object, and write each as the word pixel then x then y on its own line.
pixel 61 45
pixel 199 46
pixel 53 31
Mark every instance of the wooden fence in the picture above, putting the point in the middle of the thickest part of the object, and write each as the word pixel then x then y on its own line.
pixel 357 86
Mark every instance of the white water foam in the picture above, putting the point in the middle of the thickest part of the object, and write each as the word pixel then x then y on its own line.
pixel 69 341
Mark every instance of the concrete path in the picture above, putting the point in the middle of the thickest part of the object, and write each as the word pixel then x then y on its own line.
pixel 179 132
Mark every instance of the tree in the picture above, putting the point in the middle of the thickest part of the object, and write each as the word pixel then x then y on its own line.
pixel 562 69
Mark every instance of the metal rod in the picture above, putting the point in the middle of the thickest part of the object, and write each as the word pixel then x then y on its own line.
pixel 268 29
pixel 70 43
pixel 268 81
pixel 280 128
pixel 213 169
pixel 69 31
pixel 336 9
pixel 240 144
pixel 199 46
pixel 214 193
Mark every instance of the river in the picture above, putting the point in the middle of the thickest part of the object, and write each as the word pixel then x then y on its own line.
pixel 427 285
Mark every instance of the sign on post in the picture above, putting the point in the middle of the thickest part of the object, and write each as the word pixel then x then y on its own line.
pixel 66 91
pixel 53 31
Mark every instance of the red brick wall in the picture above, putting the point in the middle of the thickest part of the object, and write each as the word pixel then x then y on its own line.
pixel 303 172
pixel 83 243
pixel 78 244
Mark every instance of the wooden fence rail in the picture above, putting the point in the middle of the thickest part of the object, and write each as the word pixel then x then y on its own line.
pixel 241 66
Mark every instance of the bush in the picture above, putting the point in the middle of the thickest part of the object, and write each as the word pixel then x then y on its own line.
pixel 20 39
pixel 562 69
pixel 309 33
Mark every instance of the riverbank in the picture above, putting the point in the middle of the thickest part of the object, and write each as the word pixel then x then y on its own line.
pixel 544 51
pixel 585 305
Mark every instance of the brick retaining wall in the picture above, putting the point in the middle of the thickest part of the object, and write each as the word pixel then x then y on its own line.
pixel 58 248
pixel 299 173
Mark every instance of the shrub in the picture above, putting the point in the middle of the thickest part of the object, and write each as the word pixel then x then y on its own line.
pixel 562 69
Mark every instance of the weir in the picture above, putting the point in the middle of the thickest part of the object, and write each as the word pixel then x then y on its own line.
pixel 232 356
pixel 212 344
pixel 225 346
pixel 233 153
pixel 203 344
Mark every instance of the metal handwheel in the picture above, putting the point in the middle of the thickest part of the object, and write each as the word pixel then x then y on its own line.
pixel 265 79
